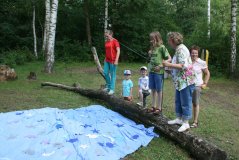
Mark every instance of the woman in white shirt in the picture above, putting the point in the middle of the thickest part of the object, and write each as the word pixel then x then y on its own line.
pixel 200 67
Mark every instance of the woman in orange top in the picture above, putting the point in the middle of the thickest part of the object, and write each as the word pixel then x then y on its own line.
pixel 112 53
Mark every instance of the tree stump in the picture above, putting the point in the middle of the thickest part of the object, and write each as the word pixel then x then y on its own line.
pixel 7 73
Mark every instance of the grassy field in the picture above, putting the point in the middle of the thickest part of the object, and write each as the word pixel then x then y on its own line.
pixel 218 120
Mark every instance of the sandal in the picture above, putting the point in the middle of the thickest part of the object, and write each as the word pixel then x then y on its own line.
pixel 194 125
pixel 157 111
pixel 150 110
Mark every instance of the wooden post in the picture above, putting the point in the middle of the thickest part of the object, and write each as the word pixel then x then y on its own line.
pixel 207 56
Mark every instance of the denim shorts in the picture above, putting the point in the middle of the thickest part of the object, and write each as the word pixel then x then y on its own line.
pixel 183 102
pixel 156 81
pixel 196 95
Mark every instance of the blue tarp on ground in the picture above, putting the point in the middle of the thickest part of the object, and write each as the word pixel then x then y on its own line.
pixel 88 133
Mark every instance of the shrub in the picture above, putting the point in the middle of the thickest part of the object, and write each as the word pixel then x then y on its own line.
pixel 16 57
pixel 67 50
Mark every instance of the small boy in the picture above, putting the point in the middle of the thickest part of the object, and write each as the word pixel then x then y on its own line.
pixel 127 84
pixel 143 85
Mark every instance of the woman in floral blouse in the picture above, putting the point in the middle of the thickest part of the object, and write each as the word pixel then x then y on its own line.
pixel 183 78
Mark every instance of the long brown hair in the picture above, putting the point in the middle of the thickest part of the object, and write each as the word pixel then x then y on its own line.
pixel 156 36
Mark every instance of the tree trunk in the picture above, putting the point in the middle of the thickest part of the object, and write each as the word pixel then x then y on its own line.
pixel 96 59
pixel 106 15
pixel 50 57
pixel 233 36
pixel 34 28
pixel 46 26
pixel 199 148
pixel 88 32
pixel 208 17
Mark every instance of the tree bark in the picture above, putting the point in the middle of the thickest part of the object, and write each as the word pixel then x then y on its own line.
pixel 106 15
pixel 208 17
pixel 96 59
pixel 88 32
pixel 34 28
pixel 46 26
pixel 233 36
pixel 50 56
pixel 198 147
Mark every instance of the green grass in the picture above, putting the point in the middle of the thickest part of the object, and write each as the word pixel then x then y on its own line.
pixel 218 119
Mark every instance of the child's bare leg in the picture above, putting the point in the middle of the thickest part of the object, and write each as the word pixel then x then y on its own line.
pixel 159 100
pixel 154 94
pixel 140 97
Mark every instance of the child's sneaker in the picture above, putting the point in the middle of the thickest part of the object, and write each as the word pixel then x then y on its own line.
pixel 111 92
pixel 140 103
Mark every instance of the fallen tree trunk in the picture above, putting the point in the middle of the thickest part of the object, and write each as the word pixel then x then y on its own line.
pixel 198 147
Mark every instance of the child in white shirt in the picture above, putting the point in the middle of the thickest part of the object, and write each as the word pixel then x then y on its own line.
pixel 143 85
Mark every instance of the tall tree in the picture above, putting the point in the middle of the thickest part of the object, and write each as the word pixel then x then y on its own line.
pixel 233 36
pixel 34 27
pixel 50 56
pixel 88 32
pixel 106 15
pixel 208 17
pixel 46 26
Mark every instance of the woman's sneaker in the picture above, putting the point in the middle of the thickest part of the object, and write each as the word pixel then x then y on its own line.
pixel 111 92
pixel 184 127
pixel 106 89
pixel 175 121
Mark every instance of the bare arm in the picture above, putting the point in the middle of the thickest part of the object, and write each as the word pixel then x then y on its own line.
pixel 157 68
pixel 131 92
pixel 117 56
pixel 207 76
pixel 168 64
pixel 169 59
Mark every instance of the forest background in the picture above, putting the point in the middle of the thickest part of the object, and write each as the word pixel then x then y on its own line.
pixel 131 21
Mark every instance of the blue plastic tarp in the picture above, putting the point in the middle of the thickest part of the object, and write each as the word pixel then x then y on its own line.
pixel 87 133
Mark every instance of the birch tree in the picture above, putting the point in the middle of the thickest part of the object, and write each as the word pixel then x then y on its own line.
pixel 34 28
pixel 208 17
pixel 50 57
pixel 46 26
pixel 233 36
pixel 106 15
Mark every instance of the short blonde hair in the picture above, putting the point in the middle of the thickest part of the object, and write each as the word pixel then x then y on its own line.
pixel 176 37
pixel 110 32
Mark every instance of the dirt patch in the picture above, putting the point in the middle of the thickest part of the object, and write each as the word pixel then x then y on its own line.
pixel 224 96
pixel 88 70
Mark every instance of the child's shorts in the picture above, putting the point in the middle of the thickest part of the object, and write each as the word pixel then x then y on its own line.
pixel 156 81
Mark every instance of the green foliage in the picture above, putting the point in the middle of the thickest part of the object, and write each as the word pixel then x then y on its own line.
pixel 131 20
pixel 68 50
pixel 16 57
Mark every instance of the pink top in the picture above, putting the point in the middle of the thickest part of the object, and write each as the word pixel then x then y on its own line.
pixel 198 66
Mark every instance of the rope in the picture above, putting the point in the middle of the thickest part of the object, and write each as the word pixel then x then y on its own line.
pixel 135 51
pixel 141 55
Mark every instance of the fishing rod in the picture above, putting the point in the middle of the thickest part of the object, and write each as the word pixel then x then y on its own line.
pixel 143 55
